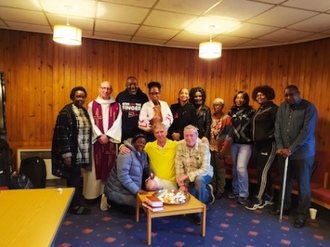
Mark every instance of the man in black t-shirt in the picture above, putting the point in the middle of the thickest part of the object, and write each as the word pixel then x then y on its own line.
pixel 131 101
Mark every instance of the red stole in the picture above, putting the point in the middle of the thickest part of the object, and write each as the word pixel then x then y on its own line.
pixel 104 155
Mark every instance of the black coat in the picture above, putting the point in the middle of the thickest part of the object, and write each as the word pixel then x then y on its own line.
pixel 65 140
pixel 204 119
pixel 182 116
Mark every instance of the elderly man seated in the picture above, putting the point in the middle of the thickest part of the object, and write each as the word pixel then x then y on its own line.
pixel 193 169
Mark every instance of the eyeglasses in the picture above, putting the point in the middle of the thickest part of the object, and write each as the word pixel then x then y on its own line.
pixel 154 93
pixel 106 88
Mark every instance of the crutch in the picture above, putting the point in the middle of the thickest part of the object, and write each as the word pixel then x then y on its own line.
pixel 283 187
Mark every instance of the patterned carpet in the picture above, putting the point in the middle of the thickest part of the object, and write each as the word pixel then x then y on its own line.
pixel 228 224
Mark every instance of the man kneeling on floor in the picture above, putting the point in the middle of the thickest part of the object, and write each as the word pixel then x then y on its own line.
pixel 193 168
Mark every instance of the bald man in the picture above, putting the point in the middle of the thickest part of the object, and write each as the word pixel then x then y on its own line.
pixel 106 116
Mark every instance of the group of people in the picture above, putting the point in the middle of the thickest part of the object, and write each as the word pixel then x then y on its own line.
pixel 182 147
pixel 271 133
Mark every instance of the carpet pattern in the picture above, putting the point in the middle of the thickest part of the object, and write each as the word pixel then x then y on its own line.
pixel 228 224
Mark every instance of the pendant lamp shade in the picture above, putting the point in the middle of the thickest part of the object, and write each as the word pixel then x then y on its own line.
pixel 66 34
pixel 210 49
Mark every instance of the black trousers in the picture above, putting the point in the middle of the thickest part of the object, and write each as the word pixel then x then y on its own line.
pixel 264 156
pixel 74 182
pixel 301 170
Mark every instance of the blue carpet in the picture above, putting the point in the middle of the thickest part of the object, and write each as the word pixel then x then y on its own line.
pixel 228 224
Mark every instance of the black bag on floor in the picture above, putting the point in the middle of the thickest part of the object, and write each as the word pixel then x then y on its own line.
pixel 6 163
pixel 35 169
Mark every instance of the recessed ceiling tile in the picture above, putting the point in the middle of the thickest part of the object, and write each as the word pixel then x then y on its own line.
pixel 29 27
pixel 212 24
pixel 70 7
pixel 21 4
pixel 181 44
pixel 149 41
pixel 196 7
pixel 122 13
pixel 2 24
pixel 317 23
pixel 258 43
pixel 115 27
pixel 83 23
pixel 139 3
pixel 248 30
pixel 27 16
pixel 285 35
pixel 230 41
pixel 112 36
pixel 314 37
pixel 235 9
pixel 326 31
pixel 319 5
pixel 186 36
pixel 282 17
pixel 168 20
pixel 160 33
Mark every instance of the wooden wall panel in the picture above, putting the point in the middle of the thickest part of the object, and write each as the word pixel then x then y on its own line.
pixel 40 74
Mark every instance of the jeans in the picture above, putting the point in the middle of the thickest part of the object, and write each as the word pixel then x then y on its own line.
pixel 198 188
pixel 241 154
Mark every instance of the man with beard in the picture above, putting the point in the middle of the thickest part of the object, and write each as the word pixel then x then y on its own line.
pixel 131 101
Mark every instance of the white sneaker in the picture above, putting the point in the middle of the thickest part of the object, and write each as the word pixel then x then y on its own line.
pixel 104 206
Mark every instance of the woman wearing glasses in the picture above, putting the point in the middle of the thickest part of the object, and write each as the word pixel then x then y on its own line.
pixel 154 111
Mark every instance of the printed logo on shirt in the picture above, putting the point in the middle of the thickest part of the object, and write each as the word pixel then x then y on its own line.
pixel 127 107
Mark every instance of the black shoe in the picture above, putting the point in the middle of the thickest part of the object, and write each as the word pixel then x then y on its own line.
pixel 219 196
pixel 299 223
pixel 197 220
pixel 232 195
pixel 278 212
pixel 80 210
pixel 242 200
pixel 90 201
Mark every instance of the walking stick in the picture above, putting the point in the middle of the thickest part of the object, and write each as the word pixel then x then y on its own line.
pixel 283 187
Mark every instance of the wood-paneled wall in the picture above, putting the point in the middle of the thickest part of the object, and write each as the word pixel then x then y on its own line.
pixel 40 74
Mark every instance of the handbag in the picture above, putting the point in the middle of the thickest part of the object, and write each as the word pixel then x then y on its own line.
pixel 20 182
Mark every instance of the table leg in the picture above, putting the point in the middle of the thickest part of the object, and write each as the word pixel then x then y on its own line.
pixel 137 212
pixel 149 226
pixel 203 223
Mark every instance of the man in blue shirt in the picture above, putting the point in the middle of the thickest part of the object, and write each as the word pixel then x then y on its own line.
pixel 294 135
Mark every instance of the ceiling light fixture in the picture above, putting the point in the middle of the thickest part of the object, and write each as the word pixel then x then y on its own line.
pixel 66 34
pixel 210 49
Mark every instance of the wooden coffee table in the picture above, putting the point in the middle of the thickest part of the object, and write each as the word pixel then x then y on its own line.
pixel 192 206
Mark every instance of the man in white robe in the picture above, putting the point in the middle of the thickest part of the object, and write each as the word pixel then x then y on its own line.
pixel 105 114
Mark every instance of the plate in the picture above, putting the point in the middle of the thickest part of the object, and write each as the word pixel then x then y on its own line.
pixel 172 197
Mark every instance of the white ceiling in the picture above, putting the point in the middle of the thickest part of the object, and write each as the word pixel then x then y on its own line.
pixel 176 23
